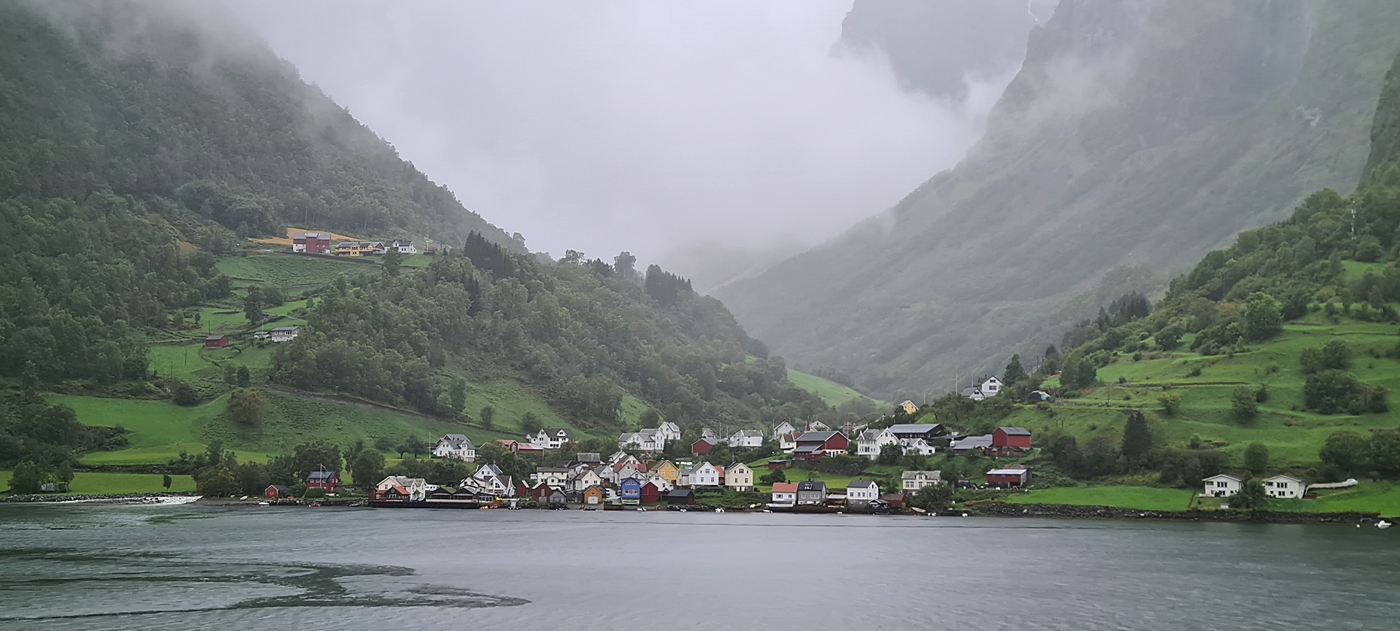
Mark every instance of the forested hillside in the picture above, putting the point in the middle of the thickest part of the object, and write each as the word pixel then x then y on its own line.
pixel 1137 137
pixel 139 152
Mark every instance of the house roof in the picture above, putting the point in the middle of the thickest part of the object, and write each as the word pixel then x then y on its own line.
pixel 809 485
pixel 917 428
pixel 816 436
pixel 1006 471
pixel 551 470
pixel 913 475
pixel 566 433
pixel 806 449
pixel 1284 477
pixel 749 433
pixel 285 329
pixel 680 493
pixel 320 475
pixel 1221 476
pixel 213 338
pixel 1014 431
pixel 784 487
pixel 870 434
pixel 280 488
pixel 973 442
pixel 861 484
pixel 456 441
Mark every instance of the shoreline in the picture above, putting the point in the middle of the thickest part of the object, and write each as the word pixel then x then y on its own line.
pixel 1066 511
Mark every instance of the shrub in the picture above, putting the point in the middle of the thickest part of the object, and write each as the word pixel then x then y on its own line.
pixel 316 493
pixel 1243 403
pixel 1170 402
pixel 1256 458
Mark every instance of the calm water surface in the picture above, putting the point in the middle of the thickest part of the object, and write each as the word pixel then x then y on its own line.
pixel 208 567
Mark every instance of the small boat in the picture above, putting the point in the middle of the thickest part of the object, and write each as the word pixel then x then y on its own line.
pixel 719 510
pixel 1383 524
pixel 264 504
pixel 964 514
pixel 641 510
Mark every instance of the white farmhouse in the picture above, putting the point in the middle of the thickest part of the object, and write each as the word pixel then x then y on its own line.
pixel 862 491
pixel 415 488
pixel 739 477
pixel 667 432
pixel 783 429
pixel 916 447
pixel 871 441
pixel 455 446
pixel 1284 487
pixel 551 438
pixel 284 334
pixel 746 439
pixel 403 246
pixel 705 475
pixel 915 480
pixel 1221 485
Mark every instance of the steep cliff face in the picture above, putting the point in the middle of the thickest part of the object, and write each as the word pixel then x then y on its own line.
pixel 1136 134
pixel 941 46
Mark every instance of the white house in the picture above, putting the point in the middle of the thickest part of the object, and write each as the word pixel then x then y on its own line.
pixel 583 479
pixel 915 480
pixel 668 432
pixel 555 477
pixel 783 429
pixel 746 439
pixel 705 475
pixel 817 426
pixel 784 494
pixel 647 440
pixel 662 484
pixel 455 446
pixel 991 387
pixel 416 488
pixel 916 447
pixel 862 491
pixel 1221 485
pixel 1284 487
pixel 787 443
pixel 403 246
pixel 739 477
pixel 551 438
pixel 871 441
pixel 491 479
pixel 709 434
pixel 285 333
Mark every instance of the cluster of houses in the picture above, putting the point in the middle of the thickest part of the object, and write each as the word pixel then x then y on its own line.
pixel 650 441
pixel 276 335
pixel 320 243
pixel 1279 486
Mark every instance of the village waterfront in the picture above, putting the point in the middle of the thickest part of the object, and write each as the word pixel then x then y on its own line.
pixel 84 566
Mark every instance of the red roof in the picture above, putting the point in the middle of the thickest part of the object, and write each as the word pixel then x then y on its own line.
pixel 784 487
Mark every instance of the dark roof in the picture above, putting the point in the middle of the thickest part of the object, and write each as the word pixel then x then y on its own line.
pixel 680 493
pixel 814 436
pixel 280 488
pixel 811 486
pixel 860 483
pixel 566 433
pixel 212 338
pixel 806 449
pixel 320 475
pixel 917 429
pixel 1015 431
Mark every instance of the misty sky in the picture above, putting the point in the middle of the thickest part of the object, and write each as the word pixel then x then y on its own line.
pixel 655 127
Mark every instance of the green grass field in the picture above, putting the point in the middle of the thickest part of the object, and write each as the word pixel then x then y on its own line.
pixel 831 393
pixel 1140 497
pixel 85 483
pixel 289 271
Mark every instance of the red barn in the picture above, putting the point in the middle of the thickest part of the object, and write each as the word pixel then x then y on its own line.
pixel 1008 478
pixel 276 491
pixel 816 445
pixel 216 341
pixel 651 494
pixel 703 446
pixel 1019 437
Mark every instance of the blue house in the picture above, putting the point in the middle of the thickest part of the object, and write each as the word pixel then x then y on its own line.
pixel 630 490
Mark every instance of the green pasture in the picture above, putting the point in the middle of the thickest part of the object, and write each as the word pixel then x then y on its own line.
pixel 1139 497
pixel 88 483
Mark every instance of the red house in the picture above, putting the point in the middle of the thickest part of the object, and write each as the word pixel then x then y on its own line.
pixel 216 341
pixel 1008 478
pixel 818 445
pixel 651 494
pixel 276 491
pixel 311 242
pixel 1012 437
pixel 328 481
pixel 703 446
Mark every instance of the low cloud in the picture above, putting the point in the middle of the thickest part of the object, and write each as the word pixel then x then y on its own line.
pixel 657 128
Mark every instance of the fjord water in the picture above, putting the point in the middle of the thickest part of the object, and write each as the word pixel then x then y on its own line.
pixel 207 567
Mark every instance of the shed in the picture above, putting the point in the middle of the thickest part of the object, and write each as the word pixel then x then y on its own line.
pixel 593 495
pixel 651 493
pixel 1012 437
pixel 1008 478
pixel 276 491
pixel 216 341
pixel 681 497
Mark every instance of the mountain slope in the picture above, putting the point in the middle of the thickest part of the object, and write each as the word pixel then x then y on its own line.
pixel 1135 134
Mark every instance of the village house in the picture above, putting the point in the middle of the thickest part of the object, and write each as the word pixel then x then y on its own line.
pixel 708 434
pixel 630 490
pixel 862 492
pixel 784 494
pixel 666 471
pixel 668 432
pixel 871 441
pixel 746 439
pixel 593 495
pixel 403 246
pixel 1008 478
pixel 276 491
pixel 915 480
pixel 817 445
pixel 552 476
pixel 414 489
pixel 284 334
pixel 327 481
pixel 909 408
pixel 928 432
pixel 811 493
pixel 653 490
pixel 646 441
pixel 1011 441
pixel 1284 487
pixel 311 242
pixel 622 456
pixel 706 474
pixel 988 388
pixel 916 447
pixel 455 446
pixel 492 480
pixel 662 484
pixel 624 470
pixel 585 478
pixel 551 438
pixel 355 248
pixel 738 477
pixel 216 341
pixel 703 446
pixel 787 443
pixel 1221 485
pixel 816 426
pixel 783 429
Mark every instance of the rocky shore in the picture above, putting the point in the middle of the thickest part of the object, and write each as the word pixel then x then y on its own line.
pixel 130 498
pixel 1001 509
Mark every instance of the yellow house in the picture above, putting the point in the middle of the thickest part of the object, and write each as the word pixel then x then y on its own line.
pixel 739 477
pixel 667 471
pixel 909 407
pixel 593 495
pixel 353 248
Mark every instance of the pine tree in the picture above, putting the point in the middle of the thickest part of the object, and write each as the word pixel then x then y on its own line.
pixel 1137 438
pixel 1014 372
